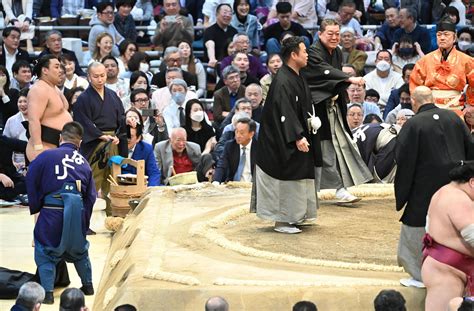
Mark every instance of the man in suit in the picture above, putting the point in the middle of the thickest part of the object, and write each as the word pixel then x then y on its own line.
pixel 225 97
pixel 235 163
pixel 350 54
pixel 10 49
pixel 176 155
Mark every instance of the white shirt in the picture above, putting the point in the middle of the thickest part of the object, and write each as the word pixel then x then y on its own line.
pixel 81 82
pixel 247 172
pixel 383 86
pixel 10 59
pixel 14 128
pixel 162 98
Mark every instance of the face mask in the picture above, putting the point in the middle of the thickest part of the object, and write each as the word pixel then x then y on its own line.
pixel 178 97
pixel 463 45
pixel 197 116
pixel 144 67
pixel 405 51
pixel 383 65
pixel 3 80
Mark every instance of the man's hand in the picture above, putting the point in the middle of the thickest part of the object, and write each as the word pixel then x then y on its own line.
pixel 6 181
pixel 114 139
pixel 302 145
pixel 212 63
pixel 357 80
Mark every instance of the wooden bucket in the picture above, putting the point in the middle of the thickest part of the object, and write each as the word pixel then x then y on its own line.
pixel 121 194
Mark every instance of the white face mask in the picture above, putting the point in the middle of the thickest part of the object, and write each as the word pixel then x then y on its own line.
pixel 144 67
pixel 463 45
pixel 383 66
pixel 197 116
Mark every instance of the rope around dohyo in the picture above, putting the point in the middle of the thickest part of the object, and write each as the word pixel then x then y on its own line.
pixel 338 283
pixel 208 229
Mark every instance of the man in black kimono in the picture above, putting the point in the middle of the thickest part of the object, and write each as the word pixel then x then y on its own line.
pixel 100 111
pixel 429 145
pixel 342 165
pixel 287 146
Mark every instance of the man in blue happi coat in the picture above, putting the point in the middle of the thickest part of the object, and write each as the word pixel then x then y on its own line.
pixel 61 188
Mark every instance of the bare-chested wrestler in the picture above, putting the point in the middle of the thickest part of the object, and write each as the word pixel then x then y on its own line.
pixel 448 267
pixel 47 108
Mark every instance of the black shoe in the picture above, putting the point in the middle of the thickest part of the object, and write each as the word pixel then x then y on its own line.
pixel 48 298
pixel 23 198
pixel 87 289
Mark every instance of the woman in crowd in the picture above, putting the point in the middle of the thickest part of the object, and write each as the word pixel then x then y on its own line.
pixel 403 115
pixel 126 48
pixel 104 44
pixel 139 80
pixel 405 52
pixel 197 129
pixel 14 127
pixel 192 65
pixel 72 96
pixel 465 39
pixel 72 79
pixel 9 97
pixel 139 61
pixel 138 149
pixel 247 23
pixel 274 62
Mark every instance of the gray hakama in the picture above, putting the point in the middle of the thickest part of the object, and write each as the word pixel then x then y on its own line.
pixel 284 200
pixel 410 250
pixel 342 164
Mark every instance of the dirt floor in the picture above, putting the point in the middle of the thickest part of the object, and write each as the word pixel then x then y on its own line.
pixel 368 233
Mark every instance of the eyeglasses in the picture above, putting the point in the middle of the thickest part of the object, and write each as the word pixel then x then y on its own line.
pixel 142 100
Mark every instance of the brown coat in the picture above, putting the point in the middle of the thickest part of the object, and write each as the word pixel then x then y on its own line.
pixel 222 101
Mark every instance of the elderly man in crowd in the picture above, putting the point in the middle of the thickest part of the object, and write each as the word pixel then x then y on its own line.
pixel 54 45
pixel 383 79
pixel 225 97
pixel 172 59
pixel 355 115
pixel 356 94
pixel 161 98
pixel 409 26
pixel 242 43
pixel 428 147
pixel 350 55
pixel 174 113
pixel 30 297
pixel 384 34
pixel 176 155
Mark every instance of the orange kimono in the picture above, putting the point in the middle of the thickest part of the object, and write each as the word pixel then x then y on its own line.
pixel 446 79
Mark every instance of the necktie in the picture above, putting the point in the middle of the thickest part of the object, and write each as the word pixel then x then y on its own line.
pixel 240 169
pixel 182 119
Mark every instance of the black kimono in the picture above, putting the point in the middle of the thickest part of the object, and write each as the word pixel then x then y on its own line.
pixel 429 145
pixel 326 79
pixel 283 122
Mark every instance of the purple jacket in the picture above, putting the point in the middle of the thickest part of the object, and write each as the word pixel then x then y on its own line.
pixel 256 67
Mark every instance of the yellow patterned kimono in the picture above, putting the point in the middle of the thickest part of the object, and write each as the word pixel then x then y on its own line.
pixel 446 79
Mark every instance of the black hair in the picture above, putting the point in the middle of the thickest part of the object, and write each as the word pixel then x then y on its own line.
pixel 384 50
pixel 101 6
pixel 109 57
pixel 124 45
pixel 134 77
pixel 43 62
pixel 8 30
pixel 290 45
pixel 24 92
pixel 271 56
pixel 4 70
pixel 220 6
pixel 372 93
pixel 135 92
pixel 126 307
pixel 70 94
pixel 187 113
pixel 251 123
pixel 120 3
pixel 20 64
pixel 462 172
pixel 450 10
pixel 304 306
pixel 71 297
pixel 407 67
pixel 284 33
pixel 371 117
pixel 405 88
pixel 389 300
pixel 236 4
pixel 412 13
pixel 68 57
pixel 468 30
pixel 136 59
pixel 139 126
pixel 283 7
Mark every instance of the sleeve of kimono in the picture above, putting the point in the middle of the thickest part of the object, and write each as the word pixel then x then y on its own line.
pixel 290 125
pixel 406 153
pixel 470 80
pixel 418 75
pixel 82 113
